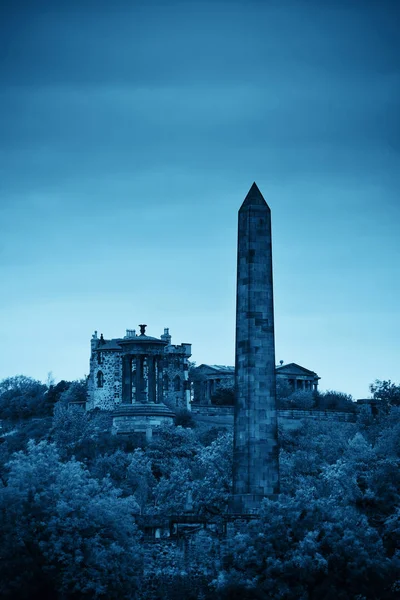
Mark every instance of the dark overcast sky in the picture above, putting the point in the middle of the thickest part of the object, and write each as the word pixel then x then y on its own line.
pixel 130 133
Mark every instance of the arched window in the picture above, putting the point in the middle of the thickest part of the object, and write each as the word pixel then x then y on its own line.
pixel 100 379
pixel 177 383
pixel 166 382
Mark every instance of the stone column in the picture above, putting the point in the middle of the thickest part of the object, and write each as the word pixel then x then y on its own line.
pixel 139 379
pixel 151 379
pixel 160 380
pixel 255 458
pixel 208 393
pixel 127 379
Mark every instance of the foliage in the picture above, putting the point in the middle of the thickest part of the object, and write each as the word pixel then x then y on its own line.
pixel 79 433
pixel 65 534
pixel 55 390
pixel 75 393
pixel 386 391
pixel 334 400
pixel 224 396
pixel 301 399
pixel 184 418
pixel 69 500
pixel 22 397
pixel 172 445
pixel 212 475
pixel 283 391
pixel 305 546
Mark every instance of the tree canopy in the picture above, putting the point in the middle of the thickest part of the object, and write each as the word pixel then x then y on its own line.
pixel 71 495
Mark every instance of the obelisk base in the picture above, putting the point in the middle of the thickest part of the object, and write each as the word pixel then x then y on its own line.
pixel 245 504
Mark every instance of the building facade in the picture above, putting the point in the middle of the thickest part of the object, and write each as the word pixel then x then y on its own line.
pixel 298 378
pixel 208 380
pixel 110 376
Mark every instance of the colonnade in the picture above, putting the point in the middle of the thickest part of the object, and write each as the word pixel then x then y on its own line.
pixel 142 379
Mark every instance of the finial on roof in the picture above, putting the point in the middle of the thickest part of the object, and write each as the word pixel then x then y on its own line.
pixel 142 329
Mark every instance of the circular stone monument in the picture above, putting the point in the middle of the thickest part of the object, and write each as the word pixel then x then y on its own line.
pixel 142 408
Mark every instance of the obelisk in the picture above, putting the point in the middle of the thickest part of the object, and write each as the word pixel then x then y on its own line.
pixel 255 454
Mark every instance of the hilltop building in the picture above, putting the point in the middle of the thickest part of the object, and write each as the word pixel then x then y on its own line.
pixel 299 378
pixel 208 379
pixel 138 369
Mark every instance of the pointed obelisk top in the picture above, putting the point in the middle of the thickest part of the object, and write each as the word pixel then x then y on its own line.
pixel 254 198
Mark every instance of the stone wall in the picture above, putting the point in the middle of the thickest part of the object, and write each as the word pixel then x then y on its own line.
pixel 206 410
pixel 108 395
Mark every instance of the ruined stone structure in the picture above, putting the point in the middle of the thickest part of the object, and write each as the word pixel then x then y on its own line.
pixel 138 369
pixel 207 380
pixel 255 456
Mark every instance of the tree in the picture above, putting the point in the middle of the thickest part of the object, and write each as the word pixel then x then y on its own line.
pixel 76 393
pixel 212 475
pixel 224 396
pixel 22 397
pixel 304 546
pixel 140 479
pixel 184 418
pixel 386 391
pixel 79 433
pixel 283 391
pixel 301 399
pixel 65 534
pixel 334 400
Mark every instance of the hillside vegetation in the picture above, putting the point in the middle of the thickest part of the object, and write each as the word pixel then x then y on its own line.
pixel 71 494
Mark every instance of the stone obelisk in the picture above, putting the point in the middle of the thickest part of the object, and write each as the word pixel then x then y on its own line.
pixel 255 455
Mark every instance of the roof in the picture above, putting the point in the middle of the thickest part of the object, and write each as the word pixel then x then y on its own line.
pixel 117 344
pixel 295 369
pixel 218 368
pixel 109 344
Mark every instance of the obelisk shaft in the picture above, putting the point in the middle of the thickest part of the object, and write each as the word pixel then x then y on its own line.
pixel 255 468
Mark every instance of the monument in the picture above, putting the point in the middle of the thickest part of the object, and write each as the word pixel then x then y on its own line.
pixel 255 454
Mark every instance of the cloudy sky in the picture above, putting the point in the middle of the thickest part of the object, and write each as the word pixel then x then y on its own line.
pixel 130 133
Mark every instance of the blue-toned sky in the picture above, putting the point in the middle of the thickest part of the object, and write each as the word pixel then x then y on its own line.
pixel 130 133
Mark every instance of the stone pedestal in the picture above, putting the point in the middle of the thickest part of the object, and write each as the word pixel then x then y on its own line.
pixel 141 418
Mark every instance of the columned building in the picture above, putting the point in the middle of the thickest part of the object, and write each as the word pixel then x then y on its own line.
pixel 299 378
pixel 138 369
pixel 207 380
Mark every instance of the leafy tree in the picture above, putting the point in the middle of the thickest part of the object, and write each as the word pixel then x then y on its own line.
pixel 170 445
pixel 171 492
pixel 54 391
pixel 212 474
pixel 65 535
pixel 386 391
pixel 224 396
pixel 185 419
pixel 76 392
pixel 79 433
pixel 22 397
pixel 140 479
pixel 283 391
pixel 301 399
pixel 334 400
pixel 114 466
pixel 307 547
